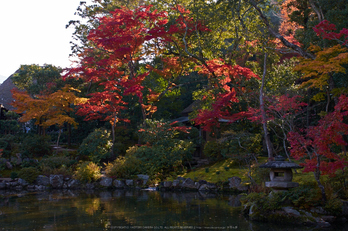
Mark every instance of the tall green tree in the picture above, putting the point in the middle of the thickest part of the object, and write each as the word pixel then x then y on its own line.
pixel 36 79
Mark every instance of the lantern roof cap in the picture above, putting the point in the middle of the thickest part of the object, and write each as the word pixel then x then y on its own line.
pixel 280 162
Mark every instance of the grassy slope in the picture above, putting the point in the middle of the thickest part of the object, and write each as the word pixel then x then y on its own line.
pixel 237 170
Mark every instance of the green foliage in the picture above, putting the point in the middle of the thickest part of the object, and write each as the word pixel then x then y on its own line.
pixel 304 197
pixel 264 202
pixel 160 160
pixel 9 126
pixel 212 149
pixel 281 78
pixel 36 146
pixel 96 146
pixel 124 167
pixel 34 78
pixel 241 146
pixel 63 170
pixel 57 161
pixel 7 144
pixel 334 206
pixel 30 163
pixel 28 174
pixel 87 172
pixel 14 175
pixel 2 164
pixel 165 149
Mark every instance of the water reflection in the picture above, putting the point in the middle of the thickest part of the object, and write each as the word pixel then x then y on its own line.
pixel 125 210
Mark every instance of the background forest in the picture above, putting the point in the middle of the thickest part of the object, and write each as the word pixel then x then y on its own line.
pixel 158 84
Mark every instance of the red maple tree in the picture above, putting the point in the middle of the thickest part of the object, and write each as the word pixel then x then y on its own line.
pixel 221 75
pixel 121 42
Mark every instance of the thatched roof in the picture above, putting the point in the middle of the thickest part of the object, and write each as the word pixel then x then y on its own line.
pixel 5 93
pixel 191 108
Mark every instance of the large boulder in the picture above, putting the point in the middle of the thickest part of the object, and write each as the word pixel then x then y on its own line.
pixel 176 183
pixel 72 183
pixel 189 184
pixel 106 182
pixel 235 184
pixel 22 182
pixel 8 165
pixel 167 184
pixel 2 185
pixel 208 187
pixel 130 183
pixel 43 180
pixel 118 184
pixel 143 178
pixel 56 181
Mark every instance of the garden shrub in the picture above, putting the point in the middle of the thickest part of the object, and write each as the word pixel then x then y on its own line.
pixel 334 206
pixel 14 175
pixel 57 161
pixel 162 159
pixel 124 167
pixel 304 196
pixel 2 164
pixel 29 163
pixel 264 204
pixel 212 150
pixel 165 150
pixel 96 146
pixel 28 174
pixel 7 145
pixel 35 146
pixel 87 172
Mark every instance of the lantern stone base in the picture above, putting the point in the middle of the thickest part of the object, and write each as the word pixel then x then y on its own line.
pixel 281 186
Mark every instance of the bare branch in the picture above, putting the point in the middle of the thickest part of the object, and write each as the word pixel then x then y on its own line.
pixel 278 36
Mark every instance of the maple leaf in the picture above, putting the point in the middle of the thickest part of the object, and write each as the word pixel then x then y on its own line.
pixel 316 142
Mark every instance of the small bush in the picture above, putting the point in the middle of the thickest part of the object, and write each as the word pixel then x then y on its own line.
pixel 14 175
pixel 56 161
pixel 63 170
pixel 87 172
pixel 212 149
pixel 29 163
pixel 96 146
pixel 35 146
pixel 304 197
pixel 124 167
pixel 2 164
pixel 28 174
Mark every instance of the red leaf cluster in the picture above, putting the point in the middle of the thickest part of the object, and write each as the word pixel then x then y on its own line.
pixel 223 74
pixel 316 142
pixel 326 31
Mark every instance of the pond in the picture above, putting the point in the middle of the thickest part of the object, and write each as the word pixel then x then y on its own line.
pixel 126 210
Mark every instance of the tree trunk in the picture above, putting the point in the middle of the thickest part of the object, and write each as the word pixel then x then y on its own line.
pixel 263 112
pixel 69 135
pixel 317 178
pixel 273 32
pixel 113 135
pixel 60 132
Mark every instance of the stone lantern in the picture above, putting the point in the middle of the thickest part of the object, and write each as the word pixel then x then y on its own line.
pixel 281 174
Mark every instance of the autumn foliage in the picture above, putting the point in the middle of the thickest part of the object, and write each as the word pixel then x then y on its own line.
pixel 221 75
pixel 316 143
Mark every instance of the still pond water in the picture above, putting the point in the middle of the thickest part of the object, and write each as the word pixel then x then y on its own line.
pixel 126 210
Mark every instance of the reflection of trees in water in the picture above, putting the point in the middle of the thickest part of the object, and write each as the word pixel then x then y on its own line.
pixel 81 210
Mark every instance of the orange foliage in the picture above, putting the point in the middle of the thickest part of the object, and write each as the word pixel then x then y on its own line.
pixel 328 61
pixel 47 110
pixel 288 28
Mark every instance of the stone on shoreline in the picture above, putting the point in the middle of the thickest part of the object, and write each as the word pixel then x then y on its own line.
pixel 106 182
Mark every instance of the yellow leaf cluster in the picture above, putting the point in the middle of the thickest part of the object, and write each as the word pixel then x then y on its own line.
pixel 328 61
pixel 47 110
